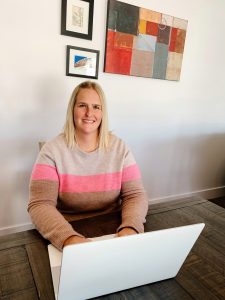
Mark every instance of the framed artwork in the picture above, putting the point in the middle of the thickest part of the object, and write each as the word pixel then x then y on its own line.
pixel 142 42
pixel 82 62
pixel 77 18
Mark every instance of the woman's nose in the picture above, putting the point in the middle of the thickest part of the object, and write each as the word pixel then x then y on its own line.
pixel 88 111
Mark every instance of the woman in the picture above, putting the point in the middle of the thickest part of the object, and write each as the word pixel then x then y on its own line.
pixel 85 169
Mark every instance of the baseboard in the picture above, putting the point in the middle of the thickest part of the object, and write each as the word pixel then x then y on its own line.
pixel 206 194
pixel 16 228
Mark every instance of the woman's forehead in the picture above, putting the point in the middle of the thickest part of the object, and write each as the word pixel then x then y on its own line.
pixel 88 95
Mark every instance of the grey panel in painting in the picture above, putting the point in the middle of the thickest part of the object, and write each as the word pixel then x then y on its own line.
pixel 113 15
pixel 123 17
pixel 160 61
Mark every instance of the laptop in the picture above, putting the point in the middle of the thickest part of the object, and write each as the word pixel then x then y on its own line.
pixel 110 264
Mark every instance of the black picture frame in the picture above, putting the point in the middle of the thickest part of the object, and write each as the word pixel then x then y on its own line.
pixel 82 62
pixel 77 18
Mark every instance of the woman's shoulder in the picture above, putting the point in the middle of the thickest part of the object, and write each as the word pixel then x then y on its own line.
pixel 55 143
pixel 120 150
pixel 116 142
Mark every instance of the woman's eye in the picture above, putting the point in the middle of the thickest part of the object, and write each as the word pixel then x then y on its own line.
pixel 81 105
pixel 97 107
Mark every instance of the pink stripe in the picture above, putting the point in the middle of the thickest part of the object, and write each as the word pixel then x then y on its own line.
pixel 131 173
pixel 94 183
pixel 97 183
pixel 82 184
pixel 43 172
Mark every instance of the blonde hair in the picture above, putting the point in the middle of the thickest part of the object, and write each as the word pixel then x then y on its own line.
pixel 69 129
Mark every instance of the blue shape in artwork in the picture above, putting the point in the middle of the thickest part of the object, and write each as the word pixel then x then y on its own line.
pixel 145 42
pixel 77 58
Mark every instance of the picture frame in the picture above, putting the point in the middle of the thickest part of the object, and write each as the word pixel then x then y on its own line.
pixel 77 18
pixel 82 62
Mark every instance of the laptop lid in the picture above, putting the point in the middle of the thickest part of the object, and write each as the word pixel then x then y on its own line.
pixel 105 266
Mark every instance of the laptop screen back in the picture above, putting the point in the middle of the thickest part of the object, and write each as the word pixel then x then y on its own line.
pixel 101 267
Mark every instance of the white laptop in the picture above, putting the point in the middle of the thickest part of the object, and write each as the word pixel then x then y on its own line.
pixel 109 264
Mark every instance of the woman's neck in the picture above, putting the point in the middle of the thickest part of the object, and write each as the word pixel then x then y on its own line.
pixel 87 143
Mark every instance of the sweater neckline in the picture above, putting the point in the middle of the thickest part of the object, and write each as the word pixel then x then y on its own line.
pixel 86 153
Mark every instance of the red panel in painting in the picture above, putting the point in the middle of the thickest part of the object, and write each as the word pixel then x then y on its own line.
pixel 173 38
pixel 152 28
pixel 117 60
pixel 110 40
pixel 123 40
pixel 181 34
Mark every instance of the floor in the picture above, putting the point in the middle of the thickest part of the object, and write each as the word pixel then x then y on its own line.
pixel 219 201
pixel 25 271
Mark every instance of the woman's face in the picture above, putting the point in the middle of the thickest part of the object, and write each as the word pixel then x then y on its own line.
pixel 87 112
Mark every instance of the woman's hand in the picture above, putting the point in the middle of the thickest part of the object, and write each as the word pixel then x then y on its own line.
pixel 126 231
pixel 75 239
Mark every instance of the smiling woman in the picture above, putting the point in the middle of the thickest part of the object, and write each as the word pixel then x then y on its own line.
pixel 83 94
pixel 87 119
pixel 85 169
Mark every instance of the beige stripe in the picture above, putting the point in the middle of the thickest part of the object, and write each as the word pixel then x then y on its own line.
pixel 75 161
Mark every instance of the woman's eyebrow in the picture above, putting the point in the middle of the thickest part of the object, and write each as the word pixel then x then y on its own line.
pixel 82 101
pixel 95 104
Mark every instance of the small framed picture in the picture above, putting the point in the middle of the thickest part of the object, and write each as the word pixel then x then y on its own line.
pixel 82 62
pixel 77 18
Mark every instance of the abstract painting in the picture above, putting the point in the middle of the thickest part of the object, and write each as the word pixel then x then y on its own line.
pixel 142 42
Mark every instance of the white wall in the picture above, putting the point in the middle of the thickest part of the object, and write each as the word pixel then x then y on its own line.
pixel 175 129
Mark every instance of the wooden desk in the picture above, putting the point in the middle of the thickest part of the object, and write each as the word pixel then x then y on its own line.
pixel 25 272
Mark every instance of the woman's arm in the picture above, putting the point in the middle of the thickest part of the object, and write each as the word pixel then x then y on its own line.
pixel 134 198
pixel 44 187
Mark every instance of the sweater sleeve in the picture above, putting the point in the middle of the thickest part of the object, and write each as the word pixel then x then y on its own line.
pixel 133 196
pixel 43 195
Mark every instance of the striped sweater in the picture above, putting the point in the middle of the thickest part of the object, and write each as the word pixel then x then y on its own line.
pixel 73 181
